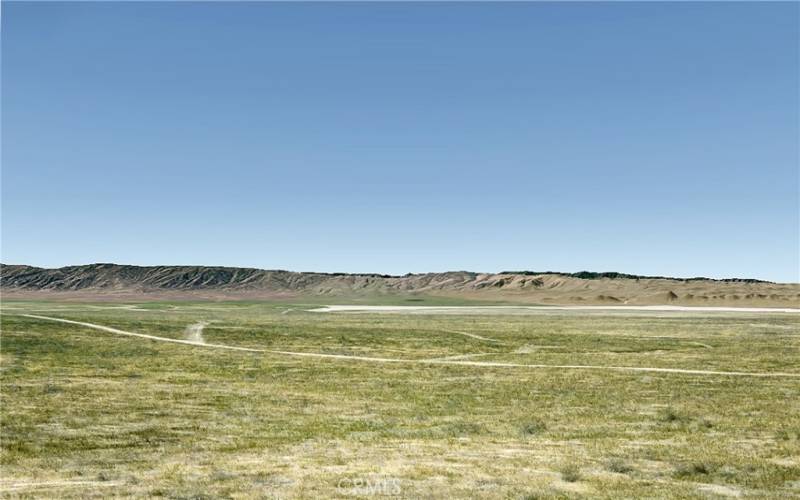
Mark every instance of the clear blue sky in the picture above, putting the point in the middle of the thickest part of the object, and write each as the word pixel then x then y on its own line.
pixel 643 138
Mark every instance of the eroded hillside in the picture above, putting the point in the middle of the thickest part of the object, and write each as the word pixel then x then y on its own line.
pixel 111 281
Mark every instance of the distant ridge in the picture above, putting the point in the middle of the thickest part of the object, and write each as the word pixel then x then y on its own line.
pixel 589 275
pixel 124 282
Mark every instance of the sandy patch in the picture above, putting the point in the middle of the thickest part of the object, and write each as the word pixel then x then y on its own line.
pixel 458 309
pixel 718 489
pixel 194 333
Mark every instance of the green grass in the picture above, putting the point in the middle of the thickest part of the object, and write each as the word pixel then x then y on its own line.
pixel 92 413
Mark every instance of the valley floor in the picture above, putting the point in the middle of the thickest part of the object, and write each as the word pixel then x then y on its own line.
pixel 149 399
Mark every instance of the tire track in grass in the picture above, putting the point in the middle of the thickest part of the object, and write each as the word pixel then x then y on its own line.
pixel 11 487
pixel 467 334
pixel 485 364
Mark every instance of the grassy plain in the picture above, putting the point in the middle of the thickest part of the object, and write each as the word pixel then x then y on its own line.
pixel 90 413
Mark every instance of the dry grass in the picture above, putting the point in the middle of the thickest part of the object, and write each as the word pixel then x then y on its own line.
pixel 90 413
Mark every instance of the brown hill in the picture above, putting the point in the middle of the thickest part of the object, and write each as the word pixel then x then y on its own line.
pixel 112 281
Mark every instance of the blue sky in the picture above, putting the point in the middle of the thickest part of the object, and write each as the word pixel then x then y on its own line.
pixel 406 137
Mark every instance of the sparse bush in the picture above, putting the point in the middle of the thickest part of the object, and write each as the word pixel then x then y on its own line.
pixel 457 429
pixel 50 388
pixel 570 473
pixel 787 434
pixel 533 427
pixel 704 424
pixel 670 415
pixel 619 466
pixel 692 469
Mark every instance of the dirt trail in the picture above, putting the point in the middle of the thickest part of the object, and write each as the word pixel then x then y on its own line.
pixel 466 334
pixel 8 487
pixel 462 356
pixel 140 335
pixel 194 333
pixel 486 364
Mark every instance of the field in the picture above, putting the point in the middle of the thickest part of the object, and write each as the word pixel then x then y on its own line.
pixel 445 405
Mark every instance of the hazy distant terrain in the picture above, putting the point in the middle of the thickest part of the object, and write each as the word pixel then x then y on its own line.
pixel 112 281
